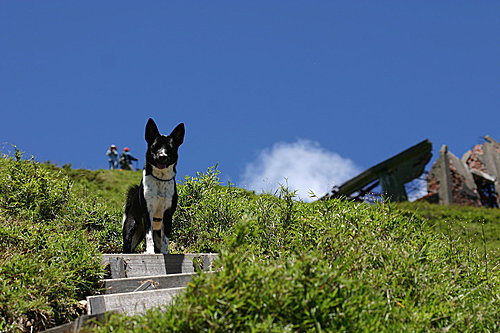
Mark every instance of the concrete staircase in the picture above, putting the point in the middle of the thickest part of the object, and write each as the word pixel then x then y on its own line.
pixel 137 282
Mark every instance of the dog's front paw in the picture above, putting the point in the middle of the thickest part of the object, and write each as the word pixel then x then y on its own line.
pixel 150 250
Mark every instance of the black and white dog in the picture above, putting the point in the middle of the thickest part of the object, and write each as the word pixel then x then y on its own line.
pixel 151 205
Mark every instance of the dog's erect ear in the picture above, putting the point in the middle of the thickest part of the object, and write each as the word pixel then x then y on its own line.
pixel 151 131
pixel 178 134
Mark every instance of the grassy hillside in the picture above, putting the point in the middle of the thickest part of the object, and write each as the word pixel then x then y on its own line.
pixel 285 265
pixel 108 185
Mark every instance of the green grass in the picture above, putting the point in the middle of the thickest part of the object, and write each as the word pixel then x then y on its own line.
pixel 479 226
pixel 111 185
pixel 285 265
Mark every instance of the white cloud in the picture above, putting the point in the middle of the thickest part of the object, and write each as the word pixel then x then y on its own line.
pixel 303 166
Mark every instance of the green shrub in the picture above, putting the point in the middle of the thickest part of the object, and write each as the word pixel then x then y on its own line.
pixel 50 237
pixel 206 211
pixel 44 272
pixel 28 190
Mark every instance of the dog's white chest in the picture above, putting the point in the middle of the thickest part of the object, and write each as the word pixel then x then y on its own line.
pixel 158 195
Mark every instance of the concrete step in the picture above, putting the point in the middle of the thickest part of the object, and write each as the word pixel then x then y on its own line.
pixel 131 303
pixel 141 283
pixel 139 265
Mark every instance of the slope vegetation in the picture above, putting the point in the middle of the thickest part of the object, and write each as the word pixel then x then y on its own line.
pixel 285 265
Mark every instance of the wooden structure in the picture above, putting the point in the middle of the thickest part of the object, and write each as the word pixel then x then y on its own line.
pixel 391 174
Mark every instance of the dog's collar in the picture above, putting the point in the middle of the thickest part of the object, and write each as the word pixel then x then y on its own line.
pixel 162 180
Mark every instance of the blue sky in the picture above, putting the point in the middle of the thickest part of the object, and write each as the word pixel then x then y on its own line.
pixel 311 91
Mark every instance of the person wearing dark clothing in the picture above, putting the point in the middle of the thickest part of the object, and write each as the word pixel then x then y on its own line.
pixel 126 159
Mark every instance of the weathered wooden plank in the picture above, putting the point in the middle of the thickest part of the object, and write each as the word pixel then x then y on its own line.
pixel 410 163
pixel 124 285
pixel 135 265
pixel 131 303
